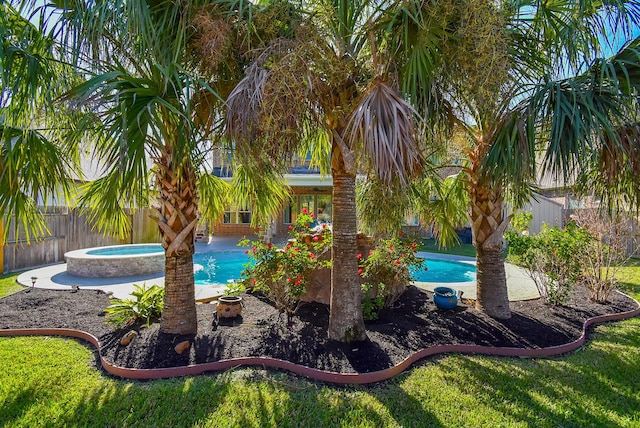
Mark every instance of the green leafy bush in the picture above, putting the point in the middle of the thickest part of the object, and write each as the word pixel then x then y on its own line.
pixel 551 259
pixel 372 301
pixel 146 306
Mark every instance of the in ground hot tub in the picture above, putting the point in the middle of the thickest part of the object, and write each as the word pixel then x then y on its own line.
pixel 115 261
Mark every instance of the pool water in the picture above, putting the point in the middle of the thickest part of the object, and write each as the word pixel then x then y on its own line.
pixel 221 267
pixel 445 271
pixel 127 250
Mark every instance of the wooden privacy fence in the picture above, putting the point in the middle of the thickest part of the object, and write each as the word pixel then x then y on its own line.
pixel 70 230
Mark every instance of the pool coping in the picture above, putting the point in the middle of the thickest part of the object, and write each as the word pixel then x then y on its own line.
pixel 317 374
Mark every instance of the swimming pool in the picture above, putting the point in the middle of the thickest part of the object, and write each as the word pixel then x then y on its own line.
pixel 115 261
pixel 126 250
pixel 224 266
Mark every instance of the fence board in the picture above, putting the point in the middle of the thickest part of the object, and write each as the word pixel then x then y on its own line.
pixel 69 231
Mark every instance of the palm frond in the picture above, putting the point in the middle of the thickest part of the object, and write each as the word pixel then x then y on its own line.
pixel 443 204
pixel 385 125
pixel 511 160
pixel 213 197
pixel 381 207
pixel 105 202
pixel 244 103
pixel 31 167
pixel 623 69
pixel 260 188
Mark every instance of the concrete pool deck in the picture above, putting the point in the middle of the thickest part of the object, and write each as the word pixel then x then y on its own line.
pixel 520 286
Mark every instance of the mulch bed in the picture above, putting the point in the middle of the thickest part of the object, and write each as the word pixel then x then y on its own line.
pixel 412 324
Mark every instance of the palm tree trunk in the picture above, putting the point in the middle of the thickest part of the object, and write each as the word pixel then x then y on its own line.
pixel 488 225
pixel 179 313
pixel 346 323
pixel 177 221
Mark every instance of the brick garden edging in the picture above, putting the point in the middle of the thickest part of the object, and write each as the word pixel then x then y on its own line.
pixel 316 374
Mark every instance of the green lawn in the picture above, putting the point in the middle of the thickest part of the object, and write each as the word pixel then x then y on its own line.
pixel 8 284
pixel 432 246
pixel 54 382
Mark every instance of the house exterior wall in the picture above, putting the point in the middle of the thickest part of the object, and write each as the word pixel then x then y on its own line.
pixel 544 210
pixel 280 228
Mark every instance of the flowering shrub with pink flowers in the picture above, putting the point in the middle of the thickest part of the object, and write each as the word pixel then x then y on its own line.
pixel 282 273
pixel 386 271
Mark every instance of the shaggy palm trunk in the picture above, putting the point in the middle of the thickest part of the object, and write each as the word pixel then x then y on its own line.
pixel 179 314
pixel 488 225
pixel 177 221
pixel 345 320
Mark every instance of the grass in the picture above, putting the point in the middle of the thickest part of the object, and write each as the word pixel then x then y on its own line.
pixel 54 382
pixel 8 284
pixel 432 246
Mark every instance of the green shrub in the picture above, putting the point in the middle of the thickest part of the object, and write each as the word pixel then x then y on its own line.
pixel 372 301
pixel 146 306
pixel 551 259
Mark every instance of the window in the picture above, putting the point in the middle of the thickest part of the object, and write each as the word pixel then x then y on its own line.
pixel 319 205
pixel 411 220
pixel 237 215
pixel 308 202
pixel 290 211
pixel 324 208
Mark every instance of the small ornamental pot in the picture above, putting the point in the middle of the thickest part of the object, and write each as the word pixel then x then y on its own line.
pixel 445 297
pixel 229 306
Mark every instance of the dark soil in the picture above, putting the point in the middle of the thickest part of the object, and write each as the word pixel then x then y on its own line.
pixel 412 324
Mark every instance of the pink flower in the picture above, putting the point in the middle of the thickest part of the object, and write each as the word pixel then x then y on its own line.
pixel 246 251
pixel 360 271
pixel 289 279
pixel 254 280
pixel 299 277
pixel 305 211
pixel 298 282
pixel 397 262
pixel 316 238
pixel 359 256
pixel 370 252
pixel 311 215
pixel 312 256
pixel 290 227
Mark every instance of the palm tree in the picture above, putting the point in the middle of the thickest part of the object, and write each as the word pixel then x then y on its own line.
pixel 329 87
pixel 142 104
pixel 524 85
pixel 36 163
